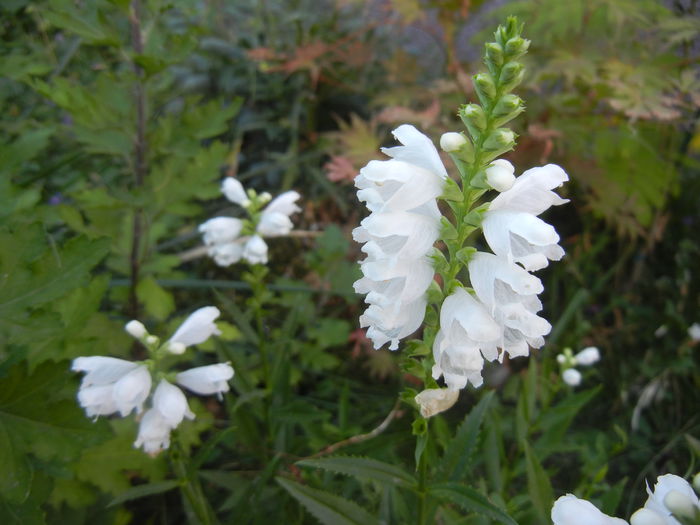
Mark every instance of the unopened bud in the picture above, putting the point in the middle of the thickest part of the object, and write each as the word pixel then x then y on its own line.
pixel 696 482
pixel 435 400
pixel 176 347
pixel 680 504
pixel 561 359
pixel 485 88
pixel 501 139
pixel 646 517
pixel 136 329
pixel 151 340
pixel 506 109
pixel 588 356
pixel 474 118
pixel 265 197
pixel 516 47
pixel 500 175
pixel 452 141
pixel 511 75
pixel 494 53
pixel 571 376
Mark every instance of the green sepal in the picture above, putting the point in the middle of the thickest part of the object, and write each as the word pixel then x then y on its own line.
pixel 434 293
pixel 452 285
pixel 431 317
pixel 416 347
pixel 475 216
pixel 485 88
pixel 451 191
pixel 447 230
pixel 478 181
pixel 440 263
pixel 408 396
pixel 507 108
pixel 419 427
pixel 516 47
pixel 412 366
pixel 474 119
pixel 494 55
pixel 465 254
pixel 511 75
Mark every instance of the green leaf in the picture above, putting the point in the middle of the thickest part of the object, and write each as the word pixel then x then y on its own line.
pixel 141 491
pixel 470 500
pixel 538 485
pixel 328 508
pixel 363 468
pixel 460 449
pixel 158 302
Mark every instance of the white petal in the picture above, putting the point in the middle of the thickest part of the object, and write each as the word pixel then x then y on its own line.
pixel 101 370
pixel 572 377
pixel 198 327
pixel 226 254
pixel 531 192
pixel 486 268
pixel 471 314
pixel 274 223
pixel 255 250
pixel 171 404
pixel 417 149
pixel 588 356
pixel 97 400
pixel 154 432
pixel 131 391
pixel 665 484
pixel 284 204
pixel 435 400
pixel 233 191
pixel 220 230
pixel 570 510
pixel 206 380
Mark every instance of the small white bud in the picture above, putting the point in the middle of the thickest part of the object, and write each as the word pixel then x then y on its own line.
pixel 646 517
pixel 561 359
pixel 661 331
pixel 234 191
pixel 694 332
pixel 572 377
pixel 151 340
pixel 452 141
pixel 136 329
pixel 265 197
pixel 588 356
pixel 500 175
pixel 435 400
pixel 176 347
pixel 680 504
pixel 696 482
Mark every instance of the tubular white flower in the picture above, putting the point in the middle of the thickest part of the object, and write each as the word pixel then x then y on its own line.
pixel 500 175
pixel 207 380
pixel 398 235
pixel 226 254
pixel 131 391
pixel 588 356
pixel 510 295
pixel 452 141
pixel 647 517
pixel 274 219
pixel 136 329
pixel 101 370
pixel 220 230
pixel 154 432
pixel 570 510
pixel 233 191
pixel 198 327
pixel 694 331
pixel 571 377
pixel 435 400
pixel 255 250
pixel 171 404
pixel 680 504
pixel 467 332
pixel 531 192
pixel 664 485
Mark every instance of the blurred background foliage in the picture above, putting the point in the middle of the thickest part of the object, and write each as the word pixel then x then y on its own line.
pixel 118 124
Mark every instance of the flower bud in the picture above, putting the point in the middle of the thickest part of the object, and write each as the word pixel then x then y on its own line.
pixel 646 517
pixel 451 141
pixel 435 400
pixel 588 356
pixel 572 377
pixel 506 109
pixel 696 482
pixel 151 340
pixel 516 47
pixel 176 347
pixel 500 175
pixel 501 139
pixel 511 75
pixel 561 359
pixel 233 190
pixel 680 504
pixel 136 329
pixel 474 118
pixel 485 88
pixel 494 53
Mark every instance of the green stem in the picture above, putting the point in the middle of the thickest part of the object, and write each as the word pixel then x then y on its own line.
pixel 422 482
pixel 197 507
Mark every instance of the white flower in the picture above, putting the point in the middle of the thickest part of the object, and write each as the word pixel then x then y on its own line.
pixel 226 254
pixel 233 191
pixel 467 332
pixel 255 250
pixel 154 432
pixel 571 376
pixel 171 404
pixel 111 385
pixel 647 517
pixel 452 141
pixel 136 329
pixel 198 327
pixel 570 510
pixel 274 219
pixel 435 400
pixel 681 504
pixel 694 332
pixel 664 485
pixel 220 230
pixel 500 175
pixel 588 356
pixel 531 192
pixel 207 380
pixel 510 295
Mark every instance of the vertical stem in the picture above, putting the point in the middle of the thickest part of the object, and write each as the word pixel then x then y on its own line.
pixel 139 156
pixel 197 507
pixel 421 518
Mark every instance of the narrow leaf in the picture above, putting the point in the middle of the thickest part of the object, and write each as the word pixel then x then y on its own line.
pixel 470 500
pixel 538 485
pixel 363 468
pixel 142 491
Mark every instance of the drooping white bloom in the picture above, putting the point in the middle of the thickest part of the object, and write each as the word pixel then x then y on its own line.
pixel 694 331
pixel 136 329
pixel 226 254
pixel 571 377
pixel 570 510
pixel 647 517
pixel 171 404
pixel 588 356
pixel 255 250
pixel 435 400
pixel 452 141
pixel 510 296
pixel 500 175
pixel 233 190
pixel 664 485
pixel 511 227
pixel 207 380
pixel 398 235
pixel 154 432
pixel 467 334
pixel 220 230
pixel 197 328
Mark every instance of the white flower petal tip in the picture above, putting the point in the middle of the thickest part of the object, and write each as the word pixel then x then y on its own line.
pixel 136 329
pixel 572 377
pixel 233 190
pixel 432 401
pixel 198 327
pixel 681 505
pixel 207 380
pixel 171 404
pixel 220 230
pixel 154 433
pixel 588 356
pixel 417 149
pixel 647 517
pixel 531 191
pixel 570 510
pixel 452 141
pixel 500 175
pixel 255 250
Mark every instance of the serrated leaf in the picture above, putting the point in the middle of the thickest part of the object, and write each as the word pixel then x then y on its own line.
pixel 538 484
pixel 363 468
pixel 460 449
pixel 327 508
pixel 142 491
pixel 157 301
pixel 470 500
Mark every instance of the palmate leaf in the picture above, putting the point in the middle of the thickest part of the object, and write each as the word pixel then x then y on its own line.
pixel 470 500
pixel 328 508
pixel 460 449
pixel 363 468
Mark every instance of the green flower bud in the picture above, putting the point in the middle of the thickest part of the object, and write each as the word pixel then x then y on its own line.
pixel 506 109
pixel 696 482
pixel 498 142
pixel 485 88
pixel 474 118
pixel 511 75
pixel 516 47
pixel 494 54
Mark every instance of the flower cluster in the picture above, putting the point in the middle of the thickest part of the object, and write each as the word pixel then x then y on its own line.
pixel 229 239
pixel 112 385
pixel 567 360
pixel 671 500
pixel 398 235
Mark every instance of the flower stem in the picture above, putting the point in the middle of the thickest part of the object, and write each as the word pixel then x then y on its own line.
pixel 197 507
